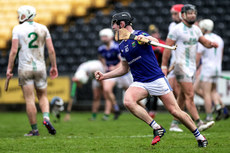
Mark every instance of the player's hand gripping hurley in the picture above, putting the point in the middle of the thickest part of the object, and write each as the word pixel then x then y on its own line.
pixel 124 34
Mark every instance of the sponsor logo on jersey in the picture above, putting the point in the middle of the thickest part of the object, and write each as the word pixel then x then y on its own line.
pixel 134 60
pixel 192 41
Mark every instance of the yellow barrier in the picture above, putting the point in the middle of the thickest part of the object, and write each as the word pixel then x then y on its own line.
pixel 57 87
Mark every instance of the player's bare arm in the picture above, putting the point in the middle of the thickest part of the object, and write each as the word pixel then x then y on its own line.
pixel 166 56
pixel 12 56
pixel 52 57
pixel 123 69
pixel 207 43
pixel 198 57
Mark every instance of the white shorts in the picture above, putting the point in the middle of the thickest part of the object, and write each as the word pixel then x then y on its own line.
pixel 171 75
pixel 95 84
pixel 181 76
pixel 211 79
pixel 125 81
pixel 158 87
pixel 38 78
pixel 122 82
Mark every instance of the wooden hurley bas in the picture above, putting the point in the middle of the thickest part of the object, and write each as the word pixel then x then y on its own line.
pixel 124 34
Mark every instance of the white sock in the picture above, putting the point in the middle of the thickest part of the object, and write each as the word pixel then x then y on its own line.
pixel 197 135
pixel 154 125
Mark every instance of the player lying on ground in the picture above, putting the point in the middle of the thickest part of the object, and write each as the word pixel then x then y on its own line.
pixel 148 80
pixel 29 39
pixel 210 70
pixel 186 35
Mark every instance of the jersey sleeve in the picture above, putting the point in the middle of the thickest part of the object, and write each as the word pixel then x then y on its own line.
pixel 15 33
pixel 200 48
pixel 221 45
pixel 199 33
pixel 47 33
pixel 99 50
pixel 143 33
pixel 121 55
pixel 173 34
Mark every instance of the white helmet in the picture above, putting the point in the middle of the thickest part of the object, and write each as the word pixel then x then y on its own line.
pixel 106 32
pixel 206 24
pixel 28 11
pixel 81 76
pixel 57 101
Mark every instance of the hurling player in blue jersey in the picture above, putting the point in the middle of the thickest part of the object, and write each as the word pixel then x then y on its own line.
pixel 148 80
pixel 109 55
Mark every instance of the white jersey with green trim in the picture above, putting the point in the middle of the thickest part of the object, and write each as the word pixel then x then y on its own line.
pixel 31 40
pixel 211 57
pixel 186 39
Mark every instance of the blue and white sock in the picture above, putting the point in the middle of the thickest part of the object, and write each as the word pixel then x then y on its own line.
pixel 154 125
pixel 197 135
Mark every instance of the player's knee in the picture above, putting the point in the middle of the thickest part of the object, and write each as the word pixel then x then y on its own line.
pixel 189 96
pixel 173 111
pixel 107 91
pixel 129 103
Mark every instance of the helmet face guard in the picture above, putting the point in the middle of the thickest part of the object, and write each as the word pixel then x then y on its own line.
pixel 188 8
pixel 28 11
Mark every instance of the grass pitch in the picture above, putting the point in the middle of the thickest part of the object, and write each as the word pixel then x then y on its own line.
pixel 126 135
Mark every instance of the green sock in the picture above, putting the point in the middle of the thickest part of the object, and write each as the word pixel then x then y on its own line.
pixel 197 121
pixel 175 122
pixel 209 115
pixel 34 127
pixel 46 115
pixel 106 115
pixel 94 115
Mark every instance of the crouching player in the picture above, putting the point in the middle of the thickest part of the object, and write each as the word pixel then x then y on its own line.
pixel 28 39
pixel 82 75
pixel 148 80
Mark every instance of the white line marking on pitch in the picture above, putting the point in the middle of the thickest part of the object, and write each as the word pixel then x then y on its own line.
pixel 103 137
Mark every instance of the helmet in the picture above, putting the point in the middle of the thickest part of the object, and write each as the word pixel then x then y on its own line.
pixel 177 7
pixel 188 7
pixel 206 24
pixel 58 102
pixel 81 76
pixel 123 16
pixel 106 32
pixel 28 11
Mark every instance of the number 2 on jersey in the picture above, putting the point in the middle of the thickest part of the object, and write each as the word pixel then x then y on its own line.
pixel 33 40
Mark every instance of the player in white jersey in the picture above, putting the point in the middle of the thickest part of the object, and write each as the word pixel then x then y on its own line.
pixel 186 36
pixel 210 69
pixel 29 39
pixel 175 13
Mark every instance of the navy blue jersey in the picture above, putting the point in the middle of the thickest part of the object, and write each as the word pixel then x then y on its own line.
pixel 111 56
pixel 141 59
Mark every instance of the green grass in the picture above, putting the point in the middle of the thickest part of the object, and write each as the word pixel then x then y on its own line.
pixel 127 135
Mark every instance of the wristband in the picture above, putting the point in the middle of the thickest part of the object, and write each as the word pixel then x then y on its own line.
pixel 164 67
